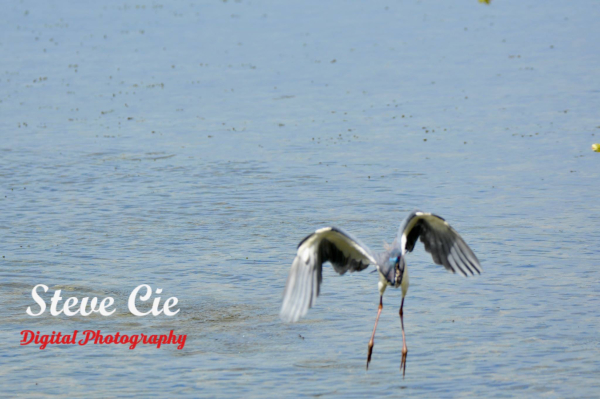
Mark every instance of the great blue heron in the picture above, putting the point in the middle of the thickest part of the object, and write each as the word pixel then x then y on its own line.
pixel 346 253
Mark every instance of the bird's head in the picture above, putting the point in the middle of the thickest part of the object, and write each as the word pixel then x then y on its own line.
pixel 396 268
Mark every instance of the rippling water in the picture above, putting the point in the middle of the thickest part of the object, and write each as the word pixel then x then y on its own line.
pixel 190 146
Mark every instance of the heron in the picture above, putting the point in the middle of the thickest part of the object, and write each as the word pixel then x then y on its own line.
pixel 346 253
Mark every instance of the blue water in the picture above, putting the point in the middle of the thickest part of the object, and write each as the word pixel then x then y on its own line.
pixel 191 146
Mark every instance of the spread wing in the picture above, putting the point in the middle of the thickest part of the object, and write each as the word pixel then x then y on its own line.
pixel 446 247
pixel 328 244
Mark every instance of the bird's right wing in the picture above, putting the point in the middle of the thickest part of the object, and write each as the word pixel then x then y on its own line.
pixel 324 245
pixel 445 245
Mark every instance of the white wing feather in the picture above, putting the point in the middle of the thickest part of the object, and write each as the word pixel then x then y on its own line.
pixel 325 245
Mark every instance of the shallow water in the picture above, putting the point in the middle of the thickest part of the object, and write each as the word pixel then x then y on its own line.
pixel 191 147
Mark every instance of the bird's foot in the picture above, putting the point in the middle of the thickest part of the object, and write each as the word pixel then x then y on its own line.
pixel 369 353
pixel 403 361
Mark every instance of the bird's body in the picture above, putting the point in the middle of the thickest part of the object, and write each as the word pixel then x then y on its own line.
pixel 347 253
pixel 404 283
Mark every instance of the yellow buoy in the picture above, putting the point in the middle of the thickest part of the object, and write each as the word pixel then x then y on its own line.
pixel 596 147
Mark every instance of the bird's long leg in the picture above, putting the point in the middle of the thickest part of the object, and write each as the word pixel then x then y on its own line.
pixel 374 328
pixel 404 349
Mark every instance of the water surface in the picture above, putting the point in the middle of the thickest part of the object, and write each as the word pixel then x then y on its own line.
pixel 191 146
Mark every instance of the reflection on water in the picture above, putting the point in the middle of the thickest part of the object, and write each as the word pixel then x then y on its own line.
pixel 191 146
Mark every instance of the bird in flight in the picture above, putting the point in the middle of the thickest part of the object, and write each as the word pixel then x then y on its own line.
pixel 346 253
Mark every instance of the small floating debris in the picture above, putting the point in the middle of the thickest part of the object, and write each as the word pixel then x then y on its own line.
pixel 596 147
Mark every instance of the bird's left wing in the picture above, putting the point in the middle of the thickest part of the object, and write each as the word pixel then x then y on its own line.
pixel 328 244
